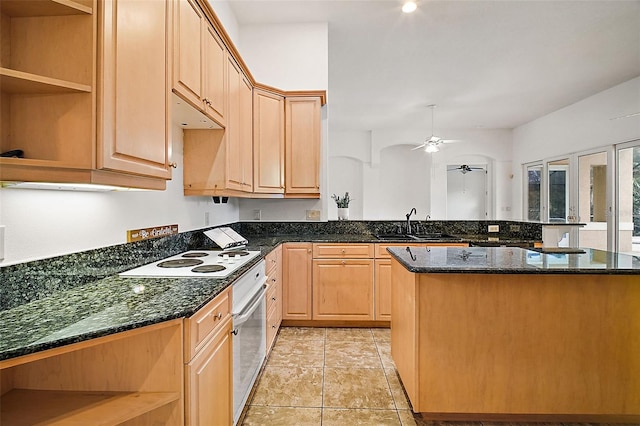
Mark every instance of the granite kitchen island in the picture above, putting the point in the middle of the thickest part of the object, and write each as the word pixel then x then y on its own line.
pixel 514 334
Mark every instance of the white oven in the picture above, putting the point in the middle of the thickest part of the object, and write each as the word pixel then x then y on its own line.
pixel 249 333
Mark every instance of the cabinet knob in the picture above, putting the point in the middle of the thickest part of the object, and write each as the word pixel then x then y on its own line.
pixel 173 165
pixel 343 251
pixel 344 262
pixel 308 250
pixel 273 326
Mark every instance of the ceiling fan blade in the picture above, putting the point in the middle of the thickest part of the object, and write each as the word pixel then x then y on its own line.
pixel 419 147
pixel 450 140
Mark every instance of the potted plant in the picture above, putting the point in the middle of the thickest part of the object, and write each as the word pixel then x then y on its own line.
pixel 343 205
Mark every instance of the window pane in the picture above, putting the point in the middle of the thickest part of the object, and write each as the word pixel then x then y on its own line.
pixel 592 200
pixel 629 200
pixel 534 193
pixel 558 190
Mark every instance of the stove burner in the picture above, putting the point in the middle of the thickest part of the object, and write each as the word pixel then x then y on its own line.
pixel 195 254
pixel 234 253
pixel 208 268
pixel 179 263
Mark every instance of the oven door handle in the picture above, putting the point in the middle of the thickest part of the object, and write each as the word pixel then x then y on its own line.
pixel 242 317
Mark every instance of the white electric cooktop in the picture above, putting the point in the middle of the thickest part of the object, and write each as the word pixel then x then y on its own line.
pixel 195 263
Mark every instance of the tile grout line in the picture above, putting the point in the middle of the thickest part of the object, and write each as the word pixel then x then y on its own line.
pixel 384 371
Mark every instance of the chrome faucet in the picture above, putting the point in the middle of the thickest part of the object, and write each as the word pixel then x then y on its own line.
pixel 412 211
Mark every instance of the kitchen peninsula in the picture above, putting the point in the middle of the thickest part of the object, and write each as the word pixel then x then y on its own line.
pixel 514 334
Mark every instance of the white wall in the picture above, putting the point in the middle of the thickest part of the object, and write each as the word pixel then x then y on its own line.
pixel 41 223
pixel 590 123
pixel 394 178
pixel 289 57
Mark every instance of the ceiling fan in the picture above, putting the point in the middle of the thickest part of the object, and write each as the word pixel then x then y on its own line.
pixel 464 169
pixel 431 144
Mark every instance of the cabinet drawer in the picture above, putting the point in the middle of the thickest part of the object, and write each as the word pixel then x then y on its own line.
pixel 273 324
pixel 382 253
pixel 273 259
pixel 381 249
pixel 204 322
pixel 338 251
pixel 272 293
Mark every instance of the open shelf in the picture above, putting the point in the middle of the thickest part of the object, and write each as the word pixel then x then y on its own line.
pixel 27 407
pixel 13 81
pixel 22 8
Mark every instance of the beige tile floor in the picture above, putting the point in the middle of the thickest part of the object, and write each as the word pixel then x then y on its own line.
pixel 335 376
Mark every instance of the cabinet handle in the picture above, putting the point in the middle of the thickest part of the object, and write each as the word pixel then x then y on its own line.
pixel 273 280
pixel 308 250
pixel 343 251
pixel 273 326
pixel 344 262
pixel 218 317
pixel 273 261
pixel 234 332
pixel 173 165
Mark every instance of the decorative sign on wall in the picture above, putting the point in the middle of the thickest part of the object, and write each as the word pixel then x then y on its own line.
pixel 149 233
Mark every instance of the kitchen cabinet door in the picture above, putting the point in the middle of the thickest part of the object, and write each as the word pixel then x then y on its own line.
pixel 133 106
pixel 383 290
pixel 209 382
pixel 296 270
pixel 214 75
pixel 187 51
pixel 234 178
pixel 302 146
pixel 343 289
pixel 246 133
pixel 268 142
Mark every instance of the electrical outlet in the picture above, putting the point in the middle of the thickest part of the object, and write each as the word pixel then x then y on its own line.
pixel 257 213
pixel 514 228
pixel 206 218
pixel 313 215
pixel 494 228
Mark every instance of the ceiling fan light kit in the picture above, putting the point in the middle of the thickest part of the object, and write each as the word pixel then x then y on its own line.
pixel 431 144
pixel 409 6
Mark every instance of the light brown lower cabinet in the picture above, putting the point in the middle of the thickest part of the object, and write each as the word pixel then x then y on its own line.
pixel 133 377
pixel 209 381
pixel 297 273
pixel 343 289
pixel 274 294
pixel 208 354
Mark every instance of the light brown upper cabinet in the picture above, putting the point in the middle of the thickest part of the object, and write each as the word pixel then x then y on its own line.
pixel 215 160
pixel 59 107
pixel 199 61
pixel 133 118
pixel 302 146
pixel 268 142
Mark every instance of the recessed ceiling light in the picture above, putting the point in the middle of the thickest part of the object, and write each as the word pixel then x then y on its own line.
pixel 409 6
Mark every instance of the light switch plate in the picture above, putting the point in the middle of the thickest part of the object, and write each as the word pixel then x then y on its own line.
pixel 257 214
pixel 494 228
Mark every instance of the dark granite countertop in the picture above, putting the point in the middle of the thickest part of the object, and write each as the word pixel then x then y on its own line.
pixel 101 303
pixel 513 260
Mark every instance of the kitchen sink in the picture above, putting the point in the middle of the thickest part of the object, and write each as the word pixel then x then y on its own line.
pixel 434 236
pixel 416 237
pixel 395 237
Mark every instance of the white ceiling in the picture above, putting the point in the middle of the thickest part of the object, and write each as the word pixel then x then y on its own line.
pixel 486 64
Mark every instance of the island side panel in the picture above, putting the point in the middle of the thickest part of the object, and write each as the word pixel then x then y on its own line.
pixel 529 344
pixel 404 328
